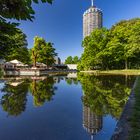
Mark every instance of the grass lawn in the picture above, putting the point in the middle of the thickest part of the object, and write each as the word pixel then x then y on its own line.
pixel 127 72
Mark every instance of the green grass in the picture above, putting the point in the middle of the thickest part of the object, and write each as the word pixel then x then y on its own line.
pixel 135 119
pixel 129 72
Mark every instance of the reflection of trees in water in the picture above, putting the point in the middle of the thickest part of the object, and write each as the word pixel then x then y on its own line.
pixel 71 81
pixel 14 99
pixel 105 94
pixel 42 91
pixel 15 95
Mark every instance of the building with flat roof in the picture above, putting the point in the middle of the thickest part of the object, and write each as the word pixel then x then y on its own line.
pixel 92 19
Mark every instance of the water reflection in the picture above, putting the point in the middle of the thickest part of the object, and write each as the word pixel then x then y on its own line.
pixel 15 93
pixel 14 100
pixel 71 81
pixel 92 123
pixel 42 90
pixel 105 94
pixel 101 96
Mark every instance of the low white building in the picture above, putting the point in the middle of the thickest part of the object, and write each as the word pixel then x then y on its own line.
pixel 14 64
pixel 72 66
pixel 8 65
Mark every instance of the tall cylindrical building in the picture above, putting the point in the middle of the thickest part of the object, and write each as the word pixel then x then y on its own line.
pixel 92 19
pixel 91 122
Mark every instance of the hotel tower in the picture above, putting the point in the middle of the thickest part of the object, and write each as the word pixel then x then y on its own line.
pixel 92 19
pixel 92 123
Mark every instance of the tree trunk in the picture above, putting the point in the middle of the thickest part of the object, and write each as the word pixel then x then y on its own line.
pixel 35 57
pixel 34 61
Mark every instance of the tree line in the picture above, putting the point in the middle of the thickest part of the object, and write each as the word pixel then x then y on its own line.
pixel 72 60
pixel 115 48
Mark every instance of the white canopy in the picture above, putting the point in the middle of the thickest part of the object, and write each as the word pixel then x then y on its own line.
pixel 40 64
pixel 15 62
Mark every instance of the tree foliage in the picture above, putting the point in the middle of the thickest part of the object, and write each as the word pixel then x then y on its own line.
pixel 116 48
pixel 13 43
pixel 7 30
pixel 69 60
pixel 18 50
pixel 18 9
pixel 43 52
pixel 72 60
pixel 75 59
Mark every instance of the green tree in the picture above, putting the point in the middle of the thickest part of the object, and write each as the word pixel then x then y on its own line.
pixel 125 42
pixel 75 60
pixel 93 49
pixel 13 43
pixel 7 31
pixel 19 49
pixel 47 54
pixel 38 42
pixel 18 9
pixel 116 48
pixel 43 52
pixel 69 60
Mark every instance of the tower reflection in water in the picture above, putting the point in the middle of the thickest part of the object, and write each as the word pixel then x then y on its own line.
pixel 92 123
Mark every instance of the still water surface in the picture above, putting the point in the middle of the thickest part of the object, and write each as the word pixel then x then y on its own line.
pixel 62 108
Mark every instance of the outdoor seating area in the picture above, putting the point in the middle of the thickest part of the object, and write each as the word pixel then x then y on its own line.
pixel 14 64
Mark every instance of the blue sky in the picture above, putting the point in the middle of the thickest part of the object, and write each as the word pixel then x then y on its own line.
pixel 61 22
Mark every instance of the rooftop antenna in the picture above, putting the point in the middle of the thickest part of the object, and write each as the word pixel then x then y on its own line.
pixel 91 2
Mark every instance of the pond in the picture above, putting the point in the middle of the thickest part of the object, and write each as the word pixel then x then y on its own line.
pixel 62 107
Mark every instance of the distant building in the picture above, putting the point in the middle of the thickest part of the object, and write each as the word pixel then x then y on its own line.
pixel 41 65
pixel 8 65
pixel 72 66
pixel 14 64
pixel 92 19
pixel 57 60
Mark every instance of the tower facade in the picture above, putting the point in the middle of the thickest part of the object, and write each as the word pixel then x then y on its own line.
pixel 92 19
pixel 91 122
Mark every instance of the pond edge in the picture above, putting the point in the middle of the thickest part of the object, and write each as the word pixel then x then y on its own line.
pixel 122 129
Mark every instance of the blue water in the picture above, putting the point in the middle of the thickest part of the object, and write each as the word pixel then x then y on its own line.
pixel 67 109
